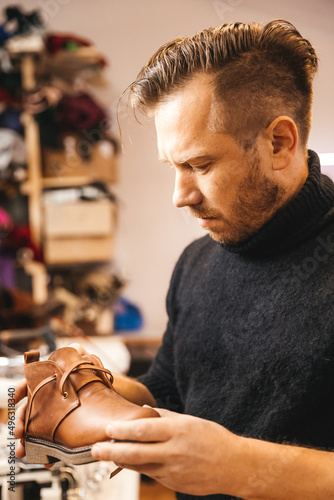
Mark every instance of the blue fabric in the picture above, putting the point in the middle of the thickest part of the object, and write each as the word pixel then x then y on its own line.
pixel 11 118
pixel 4 35
pixel 127 316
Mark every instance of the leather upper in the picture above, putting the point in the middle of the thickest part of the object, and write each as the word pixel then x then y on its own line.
pixel 72 408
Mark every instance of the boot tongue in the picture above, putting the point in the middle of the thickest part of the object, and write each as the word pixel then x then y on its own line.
pixel 65 357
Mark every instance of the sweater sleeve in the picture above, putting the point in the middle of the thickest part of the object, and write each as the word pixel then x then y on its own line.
pixel 161 379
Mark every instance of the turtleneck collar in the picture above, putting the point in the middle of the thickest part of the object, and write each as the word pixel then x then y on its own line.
pixel 300 219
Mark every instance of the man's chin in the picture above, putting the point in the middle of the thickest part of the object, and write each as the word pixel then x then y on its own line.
pixel 218 237
pixel 225 232
pixel 228 238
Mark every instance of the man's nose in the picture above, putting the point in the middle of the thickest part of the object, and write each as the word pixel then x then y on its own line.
pixel 186 191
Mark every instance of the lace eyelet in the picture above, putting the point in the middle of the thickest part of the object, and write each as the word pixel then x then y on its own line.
pixel 65 394
pixel 55 376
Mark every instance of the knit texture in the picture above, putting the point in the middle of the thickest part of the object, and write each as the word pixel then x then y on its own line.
pixel 250 338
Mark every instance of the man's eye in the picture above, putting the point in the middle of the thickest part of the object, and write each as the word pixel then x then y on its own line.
pixel 199 168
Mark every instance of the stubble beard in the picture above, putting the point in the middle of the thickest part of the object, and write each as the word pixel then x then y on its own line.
pixel 259 198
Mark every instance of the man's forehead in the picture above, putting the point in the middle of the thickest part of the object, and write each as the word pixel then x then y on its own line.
pixel 194 99
pixel 184 117
pixel 182 142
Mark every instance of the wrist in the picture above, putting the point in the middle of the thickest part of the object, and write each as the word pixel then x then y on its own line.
pixel 245 467
pixel 235 468
pixel 260 464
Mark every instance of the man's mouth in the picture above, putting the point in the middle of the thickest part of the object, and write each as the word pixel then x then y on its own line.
pixel 205 218
pixel 204 221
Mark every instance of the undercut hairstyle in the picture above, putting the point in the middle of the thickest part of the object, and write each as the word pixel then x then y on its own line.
pixel 257 73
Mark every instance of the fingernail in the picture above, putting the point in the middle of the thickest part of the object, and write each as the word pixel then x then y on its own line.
pixel 95 451
pixel 110 430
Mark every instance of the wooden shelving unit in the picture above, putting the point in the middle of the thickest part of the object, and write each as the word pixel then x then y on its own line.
pixel 37 182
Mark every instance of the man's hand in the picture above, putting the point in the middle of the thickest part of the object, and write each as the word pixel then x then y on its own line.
pixel 199 457
pixel 20 393
pixel 185 453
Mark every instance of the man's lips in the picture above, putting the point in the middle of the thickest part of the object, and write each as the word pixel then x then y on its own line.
pixel 205 222
pixel 205 218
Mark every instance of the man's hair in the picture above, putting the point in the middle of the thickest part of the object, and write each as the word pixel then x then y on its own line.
pixel 258 73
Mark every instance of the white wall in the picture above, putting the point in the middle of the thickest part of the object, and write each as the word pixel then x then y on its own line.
pixel 152 233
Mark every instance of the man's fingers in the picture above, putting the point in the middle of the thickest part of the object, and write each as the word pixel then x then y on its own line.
pixel 143 430
pixel 20 391
pixel 19 421
pixel 166 413
pixel 131 454
pixel 20 450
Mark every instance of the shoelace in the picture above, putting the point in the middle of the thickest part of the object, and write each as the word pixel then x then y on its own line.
pixel 84 365
pixel 78 365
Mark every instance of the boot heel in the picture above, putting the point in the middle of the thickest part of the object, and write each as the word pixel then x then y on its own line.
pixel 35 454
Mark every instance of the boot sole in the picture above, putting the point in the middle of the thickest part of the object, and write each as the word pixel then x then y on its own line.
pixel 39 451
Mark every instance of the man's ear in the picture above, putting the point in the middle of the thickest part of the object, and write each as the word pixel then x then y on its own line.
pixel 283 134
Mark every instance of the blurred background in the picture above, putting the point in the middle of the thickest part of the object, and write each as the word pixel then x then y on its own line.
pixel 88 233
pixel 151 232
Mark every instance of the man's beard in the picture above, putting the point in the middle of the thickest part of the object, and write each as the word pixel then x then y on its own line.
pixel 257 200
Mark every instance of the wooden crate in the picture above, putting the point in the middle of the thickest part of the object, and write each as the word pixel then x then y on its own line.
pixel 68 162
pixel 80 218
pixel 62 251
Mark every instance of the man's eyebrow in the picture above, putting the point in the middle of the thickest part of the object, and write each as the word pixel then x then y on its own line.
pixel 188 159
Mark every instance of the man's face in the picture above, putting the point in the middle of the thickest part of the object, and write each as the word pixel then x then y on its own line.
pixel 227 189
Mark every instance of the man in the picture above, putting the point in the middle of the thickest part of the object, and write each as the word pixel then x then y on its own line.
pixel 247 356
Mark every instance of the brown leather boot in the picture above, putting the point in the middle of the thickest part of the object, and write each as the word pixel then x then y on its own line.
pixel 70 402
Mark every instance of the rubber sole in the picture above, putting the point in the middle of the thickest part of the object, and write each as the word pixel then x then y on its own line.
pixel 39 451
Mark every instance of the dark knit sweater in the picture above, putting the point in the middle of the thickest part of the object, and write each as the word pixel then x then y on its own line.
pixel 250 337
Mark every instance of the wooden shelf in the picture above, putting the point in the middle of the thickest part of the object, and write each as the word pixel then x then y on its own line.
pixel 54 182
pixel 58 182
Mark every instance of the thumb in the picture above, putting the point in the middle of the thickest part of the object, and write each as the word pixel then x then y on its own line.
pixel 20 391
pixel 165 413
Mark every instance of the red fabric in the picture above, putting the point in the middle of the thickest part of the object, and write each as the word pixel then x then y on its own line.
pixel 6 97
pixel 20 237
pixel 57 42
pixel 78 113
